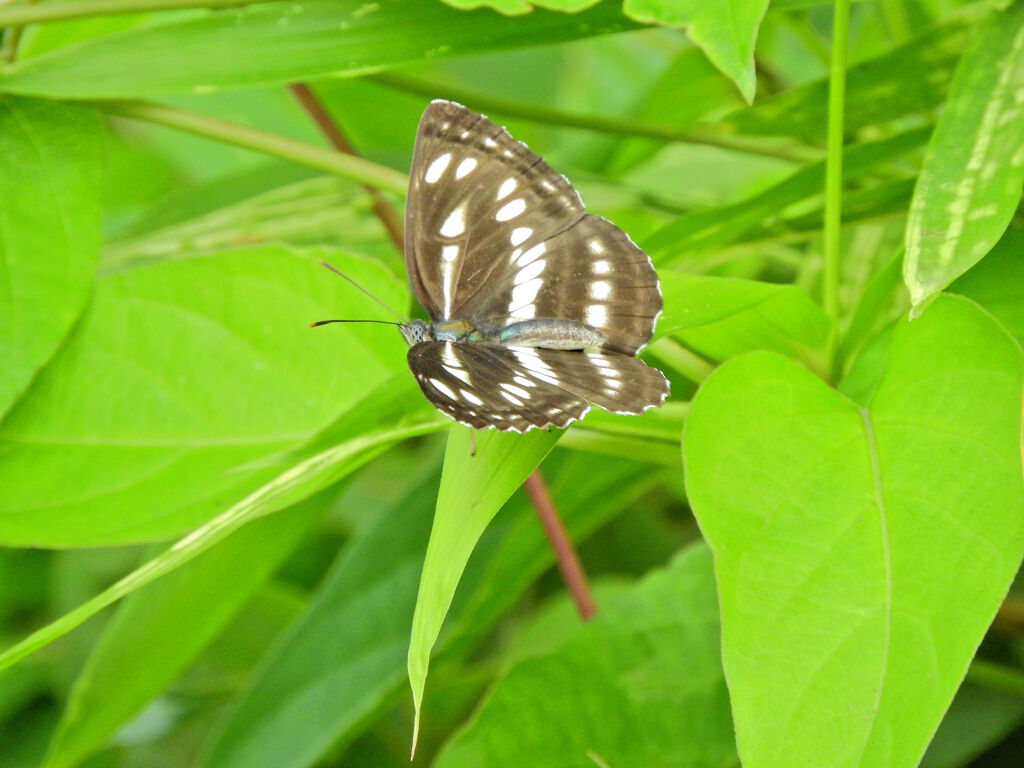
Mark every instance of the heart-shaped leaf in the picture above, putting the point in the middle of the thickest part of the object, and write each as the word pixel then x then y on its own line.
pixel 861 548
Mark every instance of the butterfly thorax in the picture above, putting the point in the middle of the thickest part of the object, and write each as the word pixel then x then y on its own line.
pixel 547 333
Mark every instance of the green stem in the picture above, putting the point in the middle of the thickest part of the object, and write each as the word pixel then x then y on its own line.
pixel 15 15
pixel 680 359
pixel 996 677
pixel 834 162
pixel 349 166
pixel 706 135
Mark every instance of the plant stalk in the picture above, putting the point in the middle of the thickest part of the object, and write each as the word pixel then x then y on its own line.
pixel 834 164
pixel 350 166
pixel 16 15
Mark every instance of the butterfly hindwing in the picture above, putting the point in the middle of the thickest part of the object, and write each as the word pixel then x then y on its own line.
pixel 519 388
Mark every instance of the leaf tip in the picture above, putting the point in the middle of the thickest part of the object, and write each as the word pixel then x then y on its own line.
pixel 415 733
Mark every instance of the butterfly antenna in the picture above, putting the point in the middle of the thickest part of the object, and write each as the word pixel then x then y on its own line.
pixel 325 322
pixel 357 285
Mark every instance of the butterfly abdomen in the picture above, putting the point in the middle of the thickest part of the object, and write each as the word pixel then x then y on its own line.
pixel 551 333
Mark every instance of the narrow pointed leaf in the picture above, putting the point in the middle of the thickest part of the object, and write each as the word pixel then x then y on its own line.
pixel 294 41
pixel 474 486
pixel 973 171
pixel 160 629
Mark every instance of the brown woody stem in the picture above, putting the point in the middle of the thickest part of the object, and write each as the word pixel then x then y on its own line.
pixel 565 555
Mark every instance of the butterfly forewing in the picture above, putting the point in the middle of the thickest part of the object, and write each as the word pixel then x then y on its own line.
pixel 471 187
pixel 590 272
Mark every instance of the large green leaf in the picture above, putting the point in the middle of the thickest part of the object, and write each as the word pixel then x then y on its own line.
pixel 357 627
pixel 278 43
pixel 973 171
pixel 159 630
pixel 476 481
pixel 720 317
pixel 725 31
pixel 861 547
pixel 51 164
pixel 177 375
pixel 383 418
pixel 642 685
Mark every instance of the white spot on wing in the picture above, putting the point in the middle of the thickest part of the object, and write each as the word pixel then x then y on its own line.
pixel 529 272
pixel 528 312
pixel 455 224
pixel 600 289
pixel 526 293
pixel 517 391
pixel 465 167
pixel 524 381
pixel 601 267
pixel 533 253
pixel 511 209
pixel 507 188
pixel 459 373
pixel 467 395
pixel 443 388
pixel 596 246
pixel 512 399
pixel 450 253
pixel 520 235
pixel 596 314
pixel 448 355
pixel 533 363
pixel 437 168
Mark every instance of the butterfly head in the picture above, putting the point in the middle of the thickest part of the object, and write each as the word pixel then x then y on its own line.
pixel 416 332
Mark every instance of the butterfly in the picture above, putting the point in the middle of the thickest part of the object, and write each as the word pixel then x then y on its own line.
pixel 536 308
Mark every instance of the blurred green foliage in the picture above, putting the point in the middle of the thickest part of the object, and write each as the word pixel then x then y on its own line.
pixel 794 560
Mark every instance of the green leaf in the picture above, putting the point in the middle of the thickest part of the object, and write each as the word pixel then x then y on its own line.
pixel 159 630
pixel 720 317
pixel 513 7
pixel 704 230
pixel 357 629
pixel 295 41
pixel 641 684
pixel 178 374
pixel 908 80
pixel 995 282
pixel 474 486
pixel 725 31
pixel 316 211
pixel 295 711
pixel 861 548
pixel 51 177
pixel 368 428
pixel 973 171
pixel 978 719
